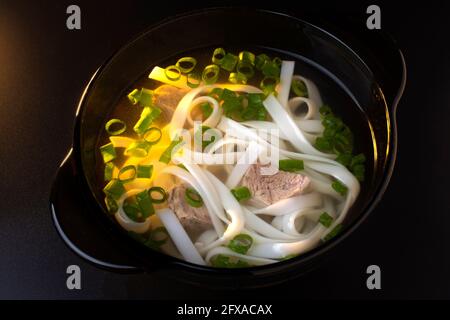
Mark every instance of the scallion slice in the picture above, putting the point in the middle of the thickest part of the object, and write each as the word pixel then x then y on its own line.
pixel 193 198
pixel 138 149
pixel 186 64
pixel 237 78
pixel 339 187
pixel 218 55
pixel 145 204
pixel 173 73
pixel 148 115
pixel 166 156
pixel 193 80
pixel 246 69
pixel 160 191
pixel 229 62
pixel 111 205
pixel 336 230
pixel 144 171
pixel 108 172
pixel 247 57
pixel 241 243
pixel 271 69
pixel 144 97
pixel 153 135
pixel 224 261
pixel 108 152
pixel 268 85
pixel 114 189
pixel 210 74
pixel 260 60
pixel 325 219
pixel 127 174
pixel 114 123
pixel 241 193
pixel 299 88
pixel 291 165
pixel 155 236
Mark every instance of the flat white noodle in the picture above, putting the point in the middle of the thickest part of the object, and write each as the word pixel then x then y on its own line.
pixel 284 87
pixel 179 236
pixel 125 221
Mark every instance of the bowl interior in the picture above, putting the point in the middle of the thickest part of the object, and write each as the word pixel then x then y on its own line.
pixel 289 36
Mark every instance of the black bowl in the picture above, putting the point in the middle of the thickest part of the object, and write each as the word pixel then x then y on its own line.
pixel 365 63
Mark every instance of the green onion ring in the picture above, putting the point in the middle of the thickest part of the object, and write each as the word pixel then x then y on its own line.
pixel 277 61
pixel 125 170
pixel 218 52
pixel 247 57
pixel 246 69
pixel 138 149
pixel 174 69
pixel 191 76
pixel 237 78
pixel 118 131
pixel 193 198
pixel 184 60
pixel 159 190
pixel 148 133
pixel 214 69
pixel 157 231
pixel 264 83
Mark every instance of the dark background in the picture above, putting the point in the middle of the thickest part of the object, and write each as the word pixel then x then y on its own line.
pixel 43 69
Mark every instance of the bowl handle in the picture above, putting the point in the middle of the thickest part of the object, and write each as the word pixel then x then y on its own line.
pixel 76 225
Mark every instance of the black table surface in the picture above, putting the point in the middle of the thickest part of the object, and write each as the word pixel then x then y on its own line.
pixel 43 69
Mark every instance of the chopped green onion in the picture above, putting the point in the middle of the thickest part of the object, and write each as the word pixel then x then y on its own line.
pixel 108 152
pixel 145 204
pixel 149 135
pixel 232 103
pixel 193 76
pixel 237 78
pixel 339 187
pixel 323 144
pixel 160 191
pixel 359 172
pixel 325 219
pixel 229 62
pixel 218 55
pixel 111 205
pixel 358 159
pixel 268 85
pixel 277 61
pixel 109 169
pixel 223 261
pixel 247 57
pixel 299 88
pixel 144 97
pixel 148 115
pixel 173 73
pixel 271 69
pixel 193 198
pixel 132 210
pixel 155 236
pixel 246 69
pixel 325 110
pixel 115 122
pixel 216 93
pixel 241 193
pixel 336 230
pixel 182 166
pixel 289 256
pixel 166 156
pixel 206 109
pixel 114 189
pixel 210 74
pixel 344 158
pixel 291 165
pixel 189 61
pixel 127 174
pixel 198 137
pixel 241 243
pixel 138 149
pixel 144 171
pixel 260 60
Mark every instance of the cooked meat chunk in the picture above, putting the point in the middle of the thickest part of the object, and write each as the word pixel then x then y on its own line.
pixel 194 220
pixel 268 189
pixel 167 97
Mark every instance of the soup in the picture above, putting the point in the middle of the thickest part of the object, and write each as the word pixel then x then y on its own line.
pixel 232 158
